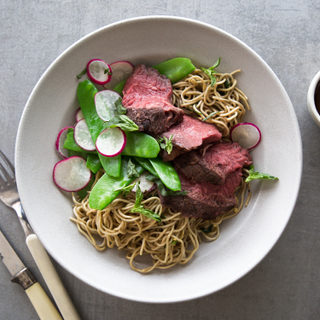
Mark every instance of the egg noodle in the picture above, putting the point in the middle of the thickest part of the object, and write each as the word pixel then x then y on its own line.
pixel 176 239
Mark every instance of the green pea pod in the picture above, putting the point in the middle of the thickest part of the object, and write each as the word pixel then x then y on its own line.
pixel 83 192
pixel 141 145
pixel 145 163
pixel 93 163
pixel 70 144
pixel 166 173
pixel 103 193
pixel 85 93
pixel 174 69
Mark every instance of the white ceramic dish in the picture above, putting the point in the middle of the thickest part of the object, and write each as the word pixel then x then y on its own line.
pixel 310 99
pixel 244 240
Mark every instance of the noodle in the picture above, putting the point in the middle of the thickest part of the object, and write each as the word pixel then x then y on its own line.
pixel 176 239
pixel 222 104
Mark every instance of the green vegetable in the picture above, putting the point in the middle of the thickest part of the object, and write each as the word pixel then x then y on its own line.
pixel 93 163
pixel 257 175
pixel 210 72
pixel 85 93
pixel 125 123
pixel 145 163
pixel 107 188
pixel 126 189
pixel 174 69
pixel 83 72
pixel 140 144
pixel 210 115
pixel 131 170
pixel 83 192
pixel 166 173
pixel 120 109
pixel 166 144
pixel 162 188
pixel 138 207
pixel 70 144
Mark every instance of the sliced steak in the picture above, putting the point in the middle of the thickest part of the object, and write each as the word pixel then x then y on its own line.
pixel 204 200
pixel 188 135
pixel 213 164
pixel 147 97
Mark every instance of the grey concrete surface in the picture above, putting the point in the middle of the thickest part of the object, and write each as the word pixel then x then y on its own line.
pixel 286 34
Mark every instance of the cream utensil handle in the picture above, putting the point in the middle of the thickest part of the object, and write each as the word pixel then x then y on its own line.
pixel 42 304
pixel 51 278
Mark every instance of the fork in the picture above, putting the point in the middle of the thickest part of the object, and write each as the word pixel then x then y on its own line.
pixel 10 197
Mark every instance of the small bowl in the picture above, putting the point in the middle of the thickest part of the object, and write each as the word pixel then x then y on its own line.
pixel 311 101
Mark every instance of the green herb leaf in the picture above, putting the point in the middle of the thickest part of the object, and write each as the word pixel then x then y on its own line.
pixel 107 71
pixel 126 189
pixel 210 72
pixel 207 230
pixel 138 207
pixel 120 109
pixel 257 175
pixel 210 115
pixel 82 73
pixel 227 84
pixel 162 188
pixel 174 242
pixel 131 170
pixel 125 123
pixel 166 144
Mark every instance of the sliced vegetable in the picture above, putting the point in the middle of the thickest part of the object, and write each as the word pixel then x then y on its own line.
pixel 61 138
pixel 112 165
pixel 71 174
pixel 111 142
pixel 141 145
pixel 105 104
pixel 84 192
pixel 79 115
pixel 144 183
pixel 121 70
pixel 107 188
pixel 99 71
pixel 70 144
pixel 145 163
pixel 166 173
pixel 174 69
pixel 82 136
pixel 257 175
pixel 247 134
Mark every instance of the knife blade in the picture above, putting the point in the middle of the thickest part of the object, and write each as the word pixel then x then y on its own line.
pixel 24 277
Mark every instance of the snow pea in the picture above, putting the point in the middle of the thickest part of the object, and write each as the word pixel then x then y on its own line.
pixel 70 144
pixel 174 69
pixel 145 163
pixel 166 173
pixel 141 145
pixel 93 163
pixel 103 193
pixel 85 93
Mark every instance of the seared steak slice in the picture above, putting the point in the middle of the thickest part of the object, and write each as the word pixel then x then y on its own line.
pixel 188 135
pixel 147 97
pixel 204 200
pixel 213 164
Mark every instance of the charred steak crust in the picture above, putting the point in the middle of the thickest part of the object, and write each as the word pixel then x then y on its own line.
pixel 147 96
pixel 213 164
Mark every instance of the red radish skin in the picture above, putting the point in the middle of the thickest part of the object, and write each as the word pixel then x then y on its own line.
pixel 111 142
pixel 95 71
pixel 60 142
pixel 247 134
pixel 71 174
pixel 121 70
pixel 82 136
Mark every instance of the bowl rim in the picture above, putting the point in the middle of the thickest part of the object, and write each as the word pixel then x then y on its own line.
pixel 310 99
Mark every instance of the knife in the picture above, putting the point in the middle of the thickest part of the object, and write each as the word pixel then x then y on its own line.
pixel 23 276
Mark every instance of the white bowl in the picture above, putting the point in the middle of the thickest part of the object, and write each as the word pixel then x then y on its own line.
pixel 310 99
pixel 244 241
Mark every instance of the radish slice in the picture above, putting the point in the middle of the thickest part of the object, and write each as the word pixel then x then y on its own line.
pixel 111 142
pixel 99 71
pixel 105 106
pixel 121 70
pixel 82 136
pixel 79 115
pixel 71 174
pixel 62 135
pixel 145 185
pixel 247 134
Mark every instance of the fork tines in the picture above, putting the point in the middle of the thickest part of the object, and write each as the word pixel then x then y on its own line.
pixel 6 167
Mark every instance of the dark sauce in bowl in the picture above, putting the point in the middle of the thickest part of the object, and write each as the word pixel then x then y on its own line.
pixel 317 97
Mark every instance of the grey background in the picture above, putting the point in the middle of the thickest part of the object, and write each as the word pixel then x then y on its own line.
pixel 286 34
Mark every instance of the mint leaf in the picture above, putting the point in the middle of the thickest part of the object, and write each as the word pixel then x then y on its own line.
pixel 126 189
pixel 257 175
pixel 131 170
pixel 125 123
pixel 120 109
pixel 166 144
pixel 210 72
